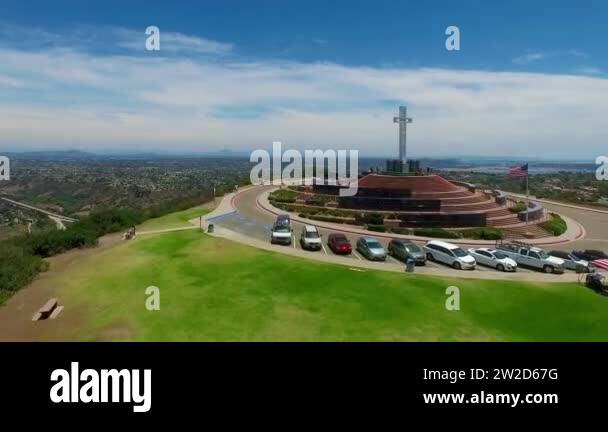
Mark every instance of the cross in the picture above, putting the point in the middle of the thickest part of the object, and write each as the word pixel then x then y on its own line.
pixel 403 120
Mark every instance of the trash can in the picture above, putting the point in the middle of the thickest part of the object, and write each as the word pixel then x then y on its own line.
pixel 210 228
pixel 410 264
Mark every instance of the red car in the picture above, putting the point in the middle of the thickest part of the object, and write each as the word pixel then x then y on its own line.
pixel 339 244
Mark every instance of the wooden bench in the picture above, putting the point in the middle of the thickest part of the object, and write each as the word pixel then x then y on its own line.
pixel 45 311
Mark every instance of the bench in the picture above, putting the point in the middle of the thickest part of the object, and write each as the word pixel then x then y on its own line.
pixel 46 311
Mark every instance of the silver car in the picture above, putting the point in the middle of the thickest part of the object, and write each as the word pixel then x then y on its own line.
pixel 572 262
pixel 371 249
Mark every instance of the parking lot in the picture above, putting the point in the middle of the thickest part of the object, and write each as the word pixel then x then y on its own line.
pixel 259 227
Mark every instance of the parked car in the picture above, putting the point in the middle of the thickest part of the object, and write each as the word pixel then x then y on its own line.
pixel 493 258
pixel 371 249
pixel 283 219
pixel 530 256
pixel 597 282
pixel 590 254
pixel 449 254
pixel 339 244
pixel 281 230
pixel 310 238
pixel 572 262
pixel 402 249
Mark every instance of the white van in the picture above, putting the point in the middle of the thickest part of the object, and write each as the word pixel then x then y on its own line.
pixel 449 254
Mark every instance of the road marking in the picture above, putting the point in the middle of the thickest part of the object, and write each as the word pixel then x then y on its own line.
pixel 324 250
pixel 293 241
pixel 390 258
pixel 357 255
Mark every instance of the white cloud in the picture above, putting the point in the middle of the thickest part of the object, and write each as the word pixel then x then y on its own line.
pixel 172 42
pixel 529 58
pixel 94 101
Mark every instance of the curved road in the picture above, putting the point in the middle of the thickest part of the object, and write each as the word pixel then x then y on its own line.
pixel 252 223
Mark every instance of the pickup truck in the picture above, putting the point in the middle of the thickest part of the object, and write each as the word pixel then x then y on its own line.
pixel 532 257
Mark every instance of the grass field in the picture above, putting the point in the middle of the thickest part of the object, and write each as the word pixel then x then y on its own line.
pixel 175 220
pixel 216 290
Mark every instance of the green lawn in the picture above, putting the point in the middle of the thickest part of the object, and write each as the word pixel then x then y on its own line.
pixel 175 220
pixel 213 289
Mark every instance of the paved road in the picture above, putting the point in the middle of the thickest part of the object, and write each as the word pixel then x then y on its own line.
pixel 39 210
pixel 253 222
pixel 595 223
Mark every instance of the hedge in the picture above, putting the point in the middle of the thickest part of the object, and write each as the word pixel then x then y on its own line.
pixel 483 233
pixel 556 226
pixel 284 196
pixel 519 207
pixel 436 233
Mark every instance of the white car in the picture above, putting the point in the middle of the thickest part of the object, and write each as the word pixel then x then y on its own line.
pixel 494 258
pixel 310 238
pixel 449 254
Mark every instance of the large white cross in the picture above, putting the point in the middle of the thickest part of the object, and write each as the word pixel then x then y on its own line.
pixel 403 120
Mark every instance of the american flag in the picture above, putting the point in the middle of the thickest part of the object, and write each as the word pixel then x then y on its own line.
pixel 518 171
pixel 600 263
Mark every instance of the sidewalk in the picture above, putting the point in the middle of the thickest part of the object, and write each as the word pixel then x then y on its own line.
pixel 557 203
pixel 224 208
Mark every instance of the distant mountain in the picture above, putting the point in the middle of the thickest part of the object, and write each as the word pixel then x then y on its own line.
pixel 50 155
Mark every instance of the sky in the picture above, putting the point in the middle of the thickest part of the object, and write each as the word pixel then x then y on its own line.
pixel 530 78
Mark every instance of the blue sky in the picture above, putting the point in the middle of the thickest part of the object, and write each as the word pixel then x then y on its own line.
pixel 240 75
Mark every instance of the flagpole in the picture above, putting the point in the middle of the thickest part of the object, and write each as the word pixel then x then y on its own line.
pixel 527 198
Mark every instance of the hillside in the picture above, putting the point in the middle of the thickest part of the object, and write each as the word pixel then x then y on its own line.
pixel 215 290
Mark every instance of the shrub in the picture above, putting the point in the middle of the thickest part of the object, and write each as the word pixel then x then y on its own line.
pixel 376 228
pixel 519 207
pixel 369 218
pixel 284 196
pixel 325 218
pixel 404 231
pixel 483 233
pixel 436 232
pixel 17 268
pixel 556 226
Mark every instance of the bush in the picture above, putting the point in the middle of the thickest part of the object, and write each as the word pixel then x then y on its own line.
pixel 284 196
pixel 404 231
pixel 369 218
pixel 325 218
pixel 556 226
pixel 17 268
pixel 436 233
pixel 519 207
pixel 376 228
pixel 483 233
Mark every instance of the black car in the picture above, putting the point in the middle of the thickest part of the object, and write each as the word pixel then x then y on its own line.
pixel 597 282
pixel 590 254
pixel 283 219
